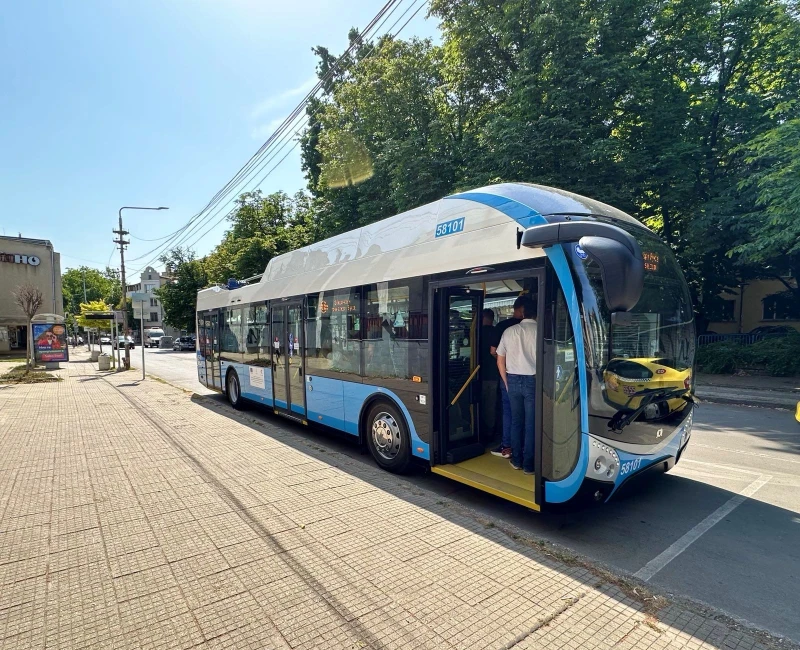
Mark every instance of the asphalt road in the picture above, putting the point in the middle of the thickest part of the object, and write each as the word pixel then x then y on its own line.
pixel 723 527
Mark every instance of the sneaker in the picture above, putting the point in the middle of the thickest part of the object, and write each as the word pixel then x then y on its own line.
pixel 498 451
pixel 528 471
pixel 511 462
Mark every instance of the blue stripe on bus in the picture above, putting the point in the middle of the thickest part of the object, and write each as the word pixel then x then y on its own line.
pixel 519 212
pixel 525 216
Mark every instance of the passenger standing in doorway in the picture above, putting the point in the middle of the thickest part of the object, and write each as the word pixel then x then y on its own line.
pixel 490 376
pixel 516 360
pixel 504 449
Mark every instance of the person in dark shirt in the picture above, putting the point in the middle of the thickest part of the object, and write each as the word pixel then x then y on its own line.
pixel 504 449
pixel 490 376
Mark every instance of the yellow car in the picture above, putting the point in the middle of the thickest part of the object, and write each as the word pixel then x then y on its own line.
pixel 647 384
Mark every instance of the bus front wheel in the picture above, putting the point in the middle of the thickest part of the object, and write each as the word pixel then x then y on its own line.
pixel 388 438
pixel 234 391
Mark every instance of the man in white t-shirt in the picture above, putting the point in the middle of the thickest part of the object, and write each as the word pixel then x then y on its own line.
pixel 516 361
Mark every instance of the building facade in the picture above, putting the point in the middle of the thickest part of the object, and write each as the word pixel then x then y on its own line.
pixel 150 280
pixel 26 261
pixel 759 303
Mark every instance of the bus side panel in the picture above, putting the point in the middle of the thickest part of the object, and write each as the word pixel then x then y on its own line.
pixel 250 391
pixel 325 401
pixel 355 395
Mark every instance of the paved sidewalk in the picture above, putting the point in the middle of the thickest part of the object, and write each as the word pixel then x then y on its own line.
pixel 749 390
pixel 134 515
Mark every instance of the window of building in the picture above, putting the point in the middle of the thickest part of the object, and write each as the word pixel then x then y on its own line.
pixel 396 330
pixel 728 311
pixel 153 302
pixel 153 316
pixel 780 306
pixel 333 332
pixel 257 340
pixel 231 343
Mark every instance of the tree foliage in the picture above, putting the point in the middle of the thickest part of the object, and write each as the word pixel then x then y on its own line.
pixel 179 296
pixel 100 285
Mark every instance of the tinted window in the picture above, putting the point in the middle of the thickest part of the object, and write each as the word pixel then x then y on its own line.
pixel 396 330
pixel 256 335
pixel 231 346
pixel 333 332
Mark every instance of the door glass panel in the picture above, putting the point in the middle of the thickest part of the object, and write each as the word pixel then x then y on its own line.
pixel 279 356
pixel 462 359
pixel 294 355
pixel 213 358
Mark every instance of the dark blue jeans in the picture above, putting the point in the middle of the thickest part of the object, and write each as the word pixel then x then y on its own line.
pixel 522 394
pixel 506 441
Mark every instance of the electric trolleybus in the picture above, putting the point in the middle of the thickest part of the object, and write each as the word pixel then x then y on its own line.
pixel 378 333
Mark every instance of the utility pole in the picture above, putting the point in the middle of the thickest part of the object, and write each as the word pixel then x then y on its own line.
pixel 122 243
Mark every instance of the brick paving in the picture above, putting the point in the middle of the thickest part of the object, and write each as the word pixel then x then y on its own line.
pixel 138 516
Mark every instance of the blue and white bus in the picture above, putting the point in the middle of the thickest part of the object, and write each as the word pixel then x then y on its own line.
pixel 377 333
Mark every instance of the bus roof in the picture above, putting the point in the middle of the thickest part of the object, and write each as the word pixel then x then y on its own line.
pixel 462 231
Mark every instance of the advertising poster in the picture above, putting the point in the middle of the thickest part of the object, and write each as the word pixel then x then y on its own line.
pixel 257 377
pixel 50 342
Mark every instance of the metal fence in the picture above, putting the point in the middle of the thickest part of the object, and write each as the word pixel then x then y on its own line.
pixel 739 339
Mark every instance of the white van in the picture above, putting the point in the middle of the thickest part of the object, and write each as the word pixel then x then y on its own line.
pixel 152 337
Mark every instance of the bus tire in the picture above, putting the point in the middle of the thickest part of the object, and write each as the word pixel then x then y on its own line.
pixel 233 390
pixel 388 437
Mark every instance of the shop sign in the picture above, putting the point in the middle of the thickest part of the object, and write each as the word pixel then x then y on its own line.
pixel 50 342
pixel 13 258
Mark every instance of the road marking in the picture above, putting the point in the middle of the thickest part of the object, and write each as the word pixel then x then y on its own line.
pixel 746 453
pixel 730 467
pixel 679 546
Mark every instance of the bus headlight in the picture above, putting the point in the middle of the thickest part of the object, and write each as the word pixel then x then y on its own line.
pixel 603 461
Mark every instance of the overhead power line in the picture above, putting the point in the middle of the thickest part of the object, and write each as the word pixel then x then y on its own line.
pixel 287 131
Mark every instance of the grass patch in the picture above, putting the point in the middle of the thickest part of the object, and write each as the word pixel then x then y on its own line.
pixel 12 359
pixel 24 375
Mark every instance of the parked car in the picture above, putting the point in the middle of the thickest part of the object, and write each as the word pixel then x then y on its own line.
pixel 124 342
pixel 184 343
pixel 105 340
pixel 772 331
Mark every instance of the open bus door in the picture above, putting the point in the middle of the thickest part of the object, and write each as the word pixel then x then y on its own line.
pixel 461 451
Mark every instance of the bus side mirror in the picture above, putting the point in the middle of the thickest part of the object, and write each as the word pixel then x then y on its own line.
pixel 622 271
pixel 615 251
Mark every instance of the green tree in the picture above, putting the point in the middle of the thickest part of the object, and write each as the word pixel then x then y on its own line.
pixel 93 306
pixel 100 285
pixel 179 296
pixel 262 227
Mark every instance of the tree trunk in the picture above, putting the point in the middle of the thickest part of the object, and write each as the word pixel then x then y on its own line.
pixel 30 345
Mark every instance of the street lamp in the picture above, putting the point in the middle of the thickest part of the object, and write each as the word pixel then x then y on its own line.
pixel 121 241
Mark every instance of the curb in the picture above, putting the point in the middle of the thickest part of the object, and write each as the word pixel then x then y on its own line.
pixel 744 401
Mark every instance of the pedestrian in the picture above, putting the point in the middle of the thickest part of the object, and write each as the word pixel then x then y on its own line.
pixel 516 361
pixel 504 449
pixel 490 376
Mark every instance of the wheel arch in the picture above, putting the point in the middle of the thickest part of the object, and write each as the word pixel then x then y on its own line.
pixel 367 405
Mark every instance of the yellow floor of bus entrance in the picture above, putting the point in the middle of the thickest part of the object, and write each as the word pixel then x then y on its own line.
pixel 494 475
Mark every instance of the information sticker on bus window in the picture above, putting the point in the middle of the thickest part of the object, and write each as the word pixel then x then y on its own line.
pixel 450 227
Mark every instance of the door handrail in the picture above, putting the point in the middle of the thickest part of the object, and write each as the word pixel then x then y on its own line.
pixel 466 383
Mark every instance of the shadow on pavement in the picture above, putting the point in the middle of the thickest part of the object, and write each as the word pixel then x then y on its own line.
pixel 662 507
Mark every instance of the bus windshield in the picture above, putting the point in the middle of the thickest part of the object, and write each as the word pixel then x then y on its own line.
pixel 640 367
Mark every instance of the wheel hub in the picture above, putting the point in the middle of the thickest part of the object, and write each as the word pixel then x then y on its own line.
pixel 386 436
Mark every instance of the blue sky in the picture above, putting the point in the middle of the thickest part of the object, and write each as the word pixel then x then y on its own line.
pixel 108 103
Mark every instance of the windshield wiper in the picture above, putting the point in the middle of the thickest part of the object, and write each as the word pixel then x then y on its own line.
pixel 622 420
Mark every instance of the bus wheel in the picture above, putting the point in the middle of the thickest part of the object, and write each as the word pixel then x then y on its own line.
pixel 234 392
pixel 387 437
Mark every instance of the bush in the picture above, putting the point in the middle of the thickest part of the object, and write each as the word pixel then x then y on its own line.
pixel 779 356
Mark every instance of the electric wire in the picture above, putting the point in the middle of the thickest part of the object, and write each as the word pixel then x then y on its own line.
pixel 319 85
pixel 283 135
pixel 304 127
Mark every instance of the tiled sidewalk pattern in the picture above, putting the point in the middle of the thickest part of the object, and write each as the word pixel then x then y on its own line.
pixel 134 516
